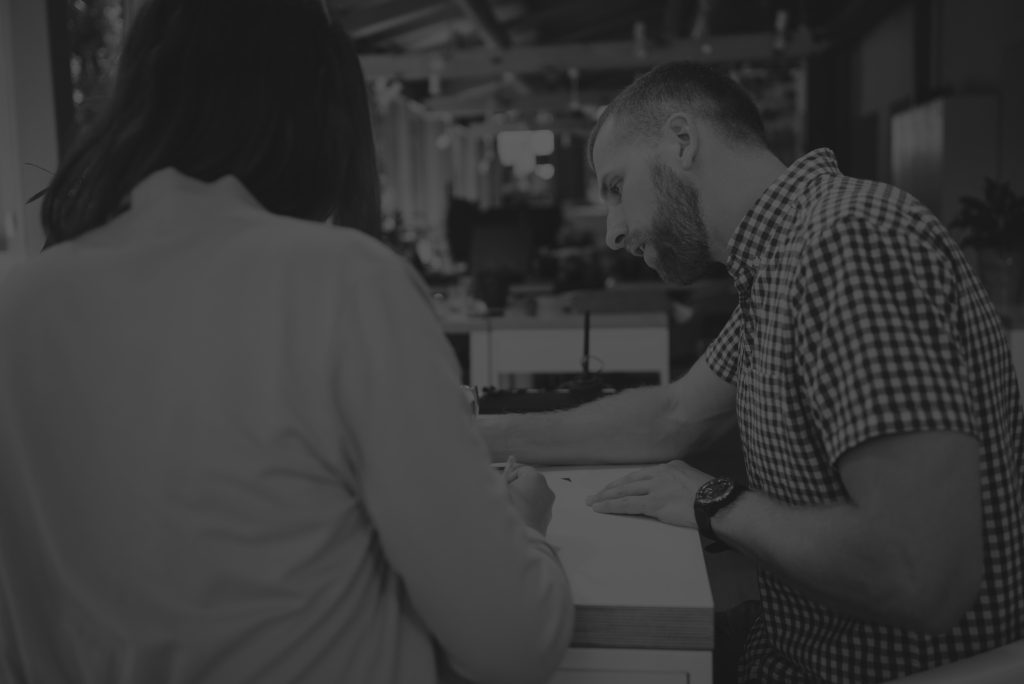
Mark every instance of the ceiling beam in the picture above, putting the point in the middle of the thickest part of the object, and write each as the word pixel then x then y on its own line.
pixel 487 25
pixel 606 56
pixel 474 93
pixel 433 32
pixel 601 20
pixel 562 11
pixel 475 103
pixel 392 16
pixel 572 125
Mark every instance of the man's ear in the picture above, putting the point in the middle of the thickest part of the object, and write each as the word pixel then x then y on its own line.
pixel 682 139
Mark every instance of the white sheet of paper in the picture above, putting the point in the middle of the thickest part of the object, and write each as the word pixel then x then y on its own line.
pixel 615 560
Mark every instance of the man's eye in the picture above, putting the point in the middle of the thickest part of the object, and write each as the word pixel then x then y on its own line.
pixel 617 189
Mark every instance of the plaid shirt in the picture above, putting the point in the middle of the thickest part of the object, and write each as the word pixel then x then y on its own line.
pixel 858 316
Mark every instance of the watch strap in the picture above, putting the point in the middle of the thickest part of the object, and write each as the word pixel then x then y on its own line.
pixel 702 513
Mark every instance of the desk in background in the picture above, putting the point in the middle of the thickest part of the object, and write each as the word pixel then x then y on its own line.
pixel 520 344
pixel 644 611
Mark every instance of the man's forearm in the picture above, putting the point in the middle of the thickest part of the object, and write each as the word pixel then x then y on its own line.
pixel 635 426
pixel 816 549
pixel 833 555
pixel 903 547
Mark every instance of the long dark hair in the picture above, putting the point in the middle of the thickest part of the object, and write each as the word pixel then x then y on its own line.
pixel 270 91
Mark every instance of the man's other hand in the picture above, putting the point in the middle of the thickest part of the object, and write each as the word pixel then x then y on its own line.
pixel 665 492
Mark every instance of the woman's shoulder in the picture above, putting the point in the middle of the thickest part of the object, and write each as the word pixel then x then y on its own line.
pixel 287 237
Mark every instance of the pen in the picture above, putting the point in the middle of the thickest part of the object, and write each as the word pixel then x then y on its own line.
pixel 510 469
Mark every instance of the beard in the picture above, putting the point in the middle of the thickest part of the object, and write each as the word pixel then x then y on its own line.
pixel 678 233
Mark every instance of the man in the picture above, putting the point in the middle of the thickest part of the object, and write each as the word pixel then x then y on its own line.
pixel 879 412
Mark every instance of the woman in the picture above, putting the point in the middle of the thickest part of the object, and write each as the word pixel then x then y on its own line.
pixel 233 447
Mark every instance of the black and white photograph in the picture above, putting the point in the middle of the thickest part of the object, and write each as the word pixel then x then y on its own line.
pixel 511 341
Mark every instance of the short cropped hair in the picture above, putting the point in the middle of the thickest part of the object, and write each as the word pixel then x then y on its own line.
pixel 648 102
pixel 270 91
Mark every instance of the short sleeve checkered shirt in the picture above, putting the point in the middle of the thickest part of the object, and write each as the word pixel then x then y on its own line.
pixel 858 316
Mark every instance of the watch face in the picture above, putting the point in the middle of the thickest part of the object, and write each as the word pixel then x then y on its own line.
pixel 714 490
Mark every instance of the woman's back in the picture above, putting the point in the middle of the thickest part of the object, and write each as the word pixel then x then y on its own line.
pixel 233 450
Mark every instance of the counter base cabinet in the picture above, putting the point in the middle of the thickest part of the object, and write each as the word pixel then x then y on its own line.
pixel 633 666
pixel 523 345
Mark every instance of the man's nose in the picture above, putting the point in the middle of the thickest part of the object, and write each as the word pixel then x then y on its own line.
pixel 615 229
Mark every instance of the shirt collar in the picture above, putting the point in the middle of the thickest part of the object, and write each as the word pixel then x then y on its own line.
pixel 759 231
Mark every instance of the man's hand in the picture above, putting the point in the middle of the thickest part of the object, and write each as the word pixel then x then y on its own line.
pixel 665 492
pixel 530 495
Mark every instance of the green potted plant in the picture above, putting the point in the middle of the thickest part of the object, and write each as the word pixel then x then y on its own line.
pixel 992 226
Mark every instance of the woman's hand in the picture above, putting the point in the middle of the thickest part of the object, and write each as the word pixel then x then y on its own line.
pixel 530 494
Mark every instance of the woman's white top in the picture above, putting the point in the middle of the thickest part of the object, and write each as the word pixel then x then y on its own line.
pixel 233 448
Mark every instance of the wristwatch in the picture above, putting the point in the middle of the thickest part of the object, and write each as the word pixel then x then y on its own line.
pixel 712 496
